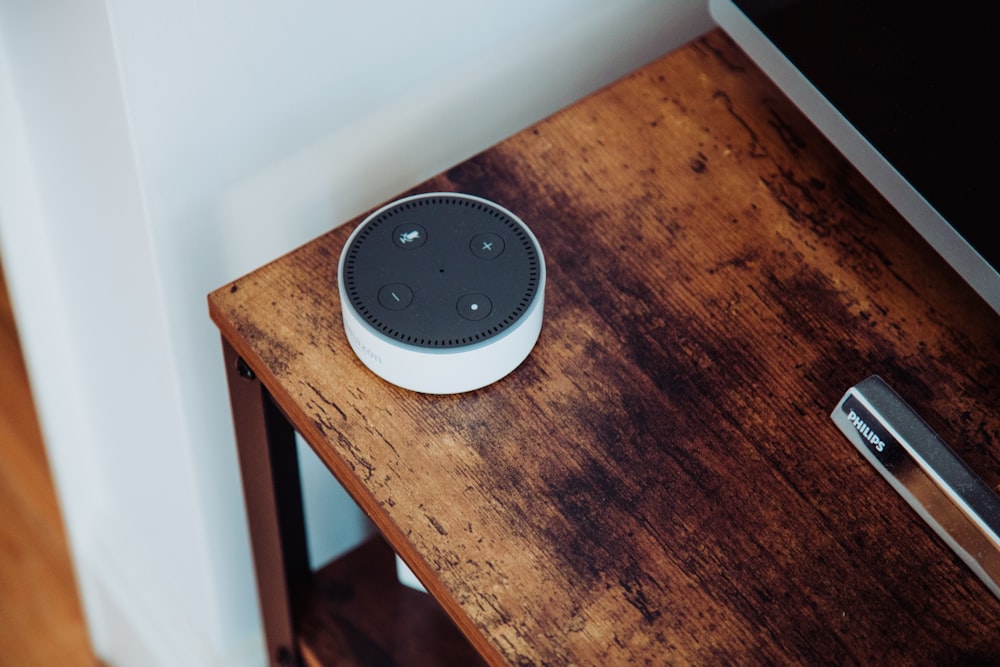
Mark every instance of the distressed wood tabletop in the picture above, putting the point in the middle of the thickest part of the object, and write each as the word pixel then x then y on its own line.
pixel 660 481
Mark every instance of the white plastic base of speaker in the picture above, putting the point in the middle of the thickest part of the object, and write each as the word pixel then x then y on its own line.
pixel 445 371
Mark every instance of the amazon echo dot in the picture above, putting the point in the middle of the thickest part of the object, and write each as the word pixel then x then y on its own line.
pixel 442 293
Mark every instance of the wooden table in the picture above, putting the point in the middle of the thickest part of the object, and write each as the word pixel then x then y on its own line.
pixel 660 481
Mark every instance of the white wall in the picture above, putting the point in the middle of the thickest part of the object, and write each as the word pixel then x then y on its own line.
pixel 151 151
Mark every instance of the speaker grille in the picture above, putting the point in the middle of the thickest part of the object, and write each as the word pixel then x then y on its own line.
pixel 453 257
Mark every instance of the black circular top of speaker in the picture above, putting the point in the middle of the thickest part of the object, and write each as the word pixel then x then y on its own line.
pixel 441 271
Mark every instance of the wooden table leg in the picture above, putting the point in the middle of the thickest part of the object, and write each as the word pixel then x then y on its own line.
pixel 273 494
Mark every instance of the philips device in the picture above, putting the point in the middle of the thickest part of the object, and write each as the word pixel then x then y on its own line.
pixel 961 508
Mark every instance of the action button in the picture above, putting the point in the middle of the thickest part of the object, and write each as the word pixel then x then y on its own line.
pixel 486 245
pixel 395 296
pixel 474 307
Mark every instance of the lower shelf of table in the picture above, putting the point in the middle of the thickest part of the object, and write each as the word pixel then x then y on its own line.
pixel 357 613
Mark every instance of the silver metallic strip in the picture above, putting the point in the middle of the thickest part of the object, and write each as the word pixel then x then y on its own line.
pixel 943 490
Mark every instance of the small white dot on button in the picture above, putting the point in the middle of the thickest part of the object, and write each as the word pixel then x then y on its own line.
pixel 474 306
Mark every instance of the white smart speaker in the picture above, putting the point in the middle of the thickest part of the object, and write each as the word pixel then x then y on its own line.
pixel 442 293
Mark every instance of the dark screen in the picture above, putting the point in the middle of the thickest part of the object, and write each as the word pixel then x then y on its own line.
pixel 917 80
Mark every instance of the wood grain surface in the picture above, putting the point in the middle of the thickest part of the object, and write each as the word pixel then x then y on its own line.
pixel 660 481
pixel 357 613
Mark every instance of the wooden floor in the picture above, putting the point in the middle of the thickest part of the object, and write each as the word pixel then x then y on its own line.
pixel 41 622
